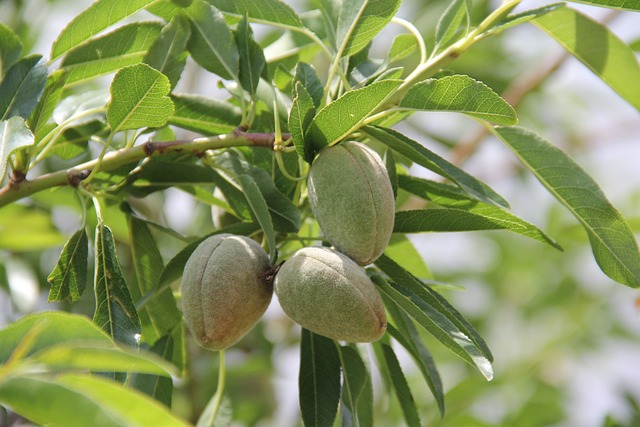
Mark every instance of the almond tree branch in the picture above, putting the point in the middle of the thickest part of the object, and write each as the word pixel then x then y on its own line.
pixel 20 187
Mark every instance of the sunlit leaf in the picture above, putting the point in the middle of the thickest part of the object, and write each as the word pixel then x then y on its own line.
pixel 22 86
pixel 14 134
pixel 265 11
pixel 208 116
pixel 403 45
pixel 69 277
pixel 10 49
pixel 139 99
pixel 300 117
pixel 307 76
pixel 460 94
pixel 261 211
pixel 526 16
pixel 48 101
pixel 596 47
pixel 319 380
pixel 360 21
pixel 454 23
pixel 618 4
pixel 614 245
pixel 97 17
pixel 252 60
pixel 82 108
pixel 168 53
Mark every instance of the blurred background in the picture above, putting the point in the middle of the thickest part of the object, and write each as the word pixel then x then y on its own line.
pixel 566 339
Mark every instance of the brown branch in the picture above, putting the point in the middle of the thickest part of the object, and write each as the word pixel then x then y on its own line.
pixel 16 190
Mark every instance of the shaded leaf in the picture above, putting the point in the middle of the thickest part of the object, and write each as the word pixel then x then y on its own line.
pixel 460 94
pixel 211 44
pixel 261 211
pixel 139 99
pixel 115 312
pixel 168 53
pixel 428 159
pixel 75 109
pixel 252 60
pixel 612 241
pixel 69 277
pixel 307 76
pixel 401 387
pixel 81 400
pixel 208 116
pixel 403 45
pixel 300 117
pixel 10 49
pixel 453 24
pixel 48 101
pixel 354 380
pixel 319 380
pixel 360 21
pixel 159 387
pixel 25 228
pixel 22 86
pixel 124 46
pixel 526 16
pixel 482 214
pixel 618 4
pixel 347 114
pixel 96 18
pixel 265 11
pixel 597 48
pixel 14 134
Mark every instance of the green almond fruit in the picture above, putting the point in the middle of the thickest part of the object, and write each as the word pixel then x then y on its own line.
pixel 351 197
pixel 327 293
pixel 225 290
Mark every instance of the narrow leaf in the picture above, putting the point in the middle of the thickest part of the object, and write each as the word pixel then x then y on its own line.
pixel 300 117
pixel 307 76
pixel 261 210
pixel 48 101
pixel 264 11
pixel 618 4
pixel 452 197
pixel 159 387
pixel 401 248
pixel 168 54
pixel 460 94
pixel 319 380
pixel 10 49
pixel 208 116
pixel 252 60
pixel 401 387
pixel 22 86
pixel 612 241
pixel 597 48
pixel 124 46
pixel 436 324
pixel 81 400
pixel 428 159
pixel 69 277
pixel 347 114
pixel 96 18
pixel 211 44
pixel 139 99
pixel 453 24
pixel 115 312
pixel 360 21
pixel 354 379
pixel 75 109
pixel 526 16
pixel 14 134
pixel 403 45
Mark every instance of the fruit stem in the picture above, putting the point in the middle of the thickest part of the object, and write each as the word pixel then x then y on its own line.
pixel 208 417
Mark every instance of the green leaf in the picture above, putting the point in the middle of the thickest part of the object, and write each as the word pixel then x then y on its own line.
pixel 319 380
pixel 436 323
pixel 401 248
pixel 526 16
pixel 80 400
pixel 360 21
pixel 69 277
pixel 347 114
pixel 48 101
pixel 401 387
pixel 261 210
pixel 618 4
pixel 403 45
pixel 252 60
pixel 139 99
pixel 159 387
pixel 211 44
pixel 168 53
pixel 115 312
pixel 307 76
pixel 14 134
pixel 300 117
pixel 612 241
pixel 22 86
pixel 401 276
pixel 453 24
pixel 354 379
pixel 597 48
pixel 161 311
pixel 76 109
pixel 96 18
pixel 10 49
pixel 481 214
pixel 53 328
pixel 124 46
pixel 208 116
pixel 263 11
pixel 428 159
pixel 26 228
pixel 460 94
